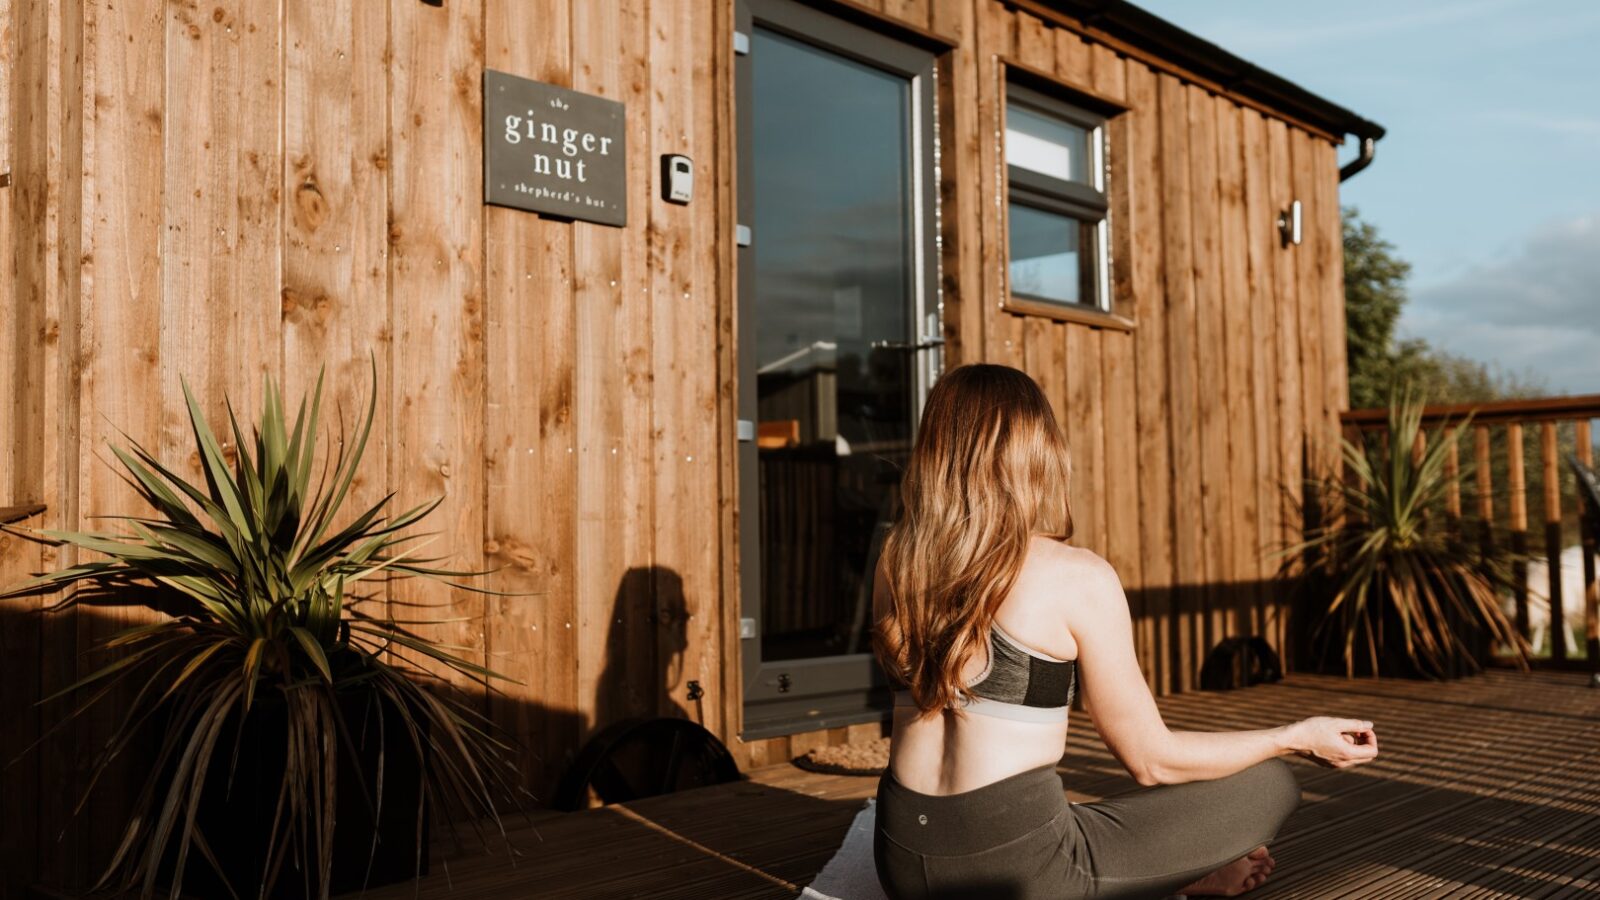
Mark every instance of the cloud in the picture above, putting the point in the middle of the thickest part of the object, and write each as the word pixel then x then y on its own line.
pixel 1536 309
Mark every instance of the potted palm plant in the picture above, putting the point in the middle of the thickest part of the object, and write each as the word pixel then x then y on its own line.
pixel 1392 590
pixel 298 748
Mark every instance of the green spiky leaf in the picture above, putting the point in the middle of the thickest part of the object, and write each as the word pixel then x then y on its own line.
pixel 254 565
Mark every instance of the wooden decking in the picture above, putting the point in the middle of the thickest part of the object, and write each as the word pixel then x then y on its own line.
pixel 1487 787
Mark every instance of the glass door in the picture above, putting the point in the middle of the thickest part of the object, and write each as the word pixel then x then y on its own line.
pixel 838 343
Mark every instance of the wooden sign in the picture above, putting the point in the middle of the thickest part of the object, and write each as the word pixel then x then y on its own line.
pixel 547 149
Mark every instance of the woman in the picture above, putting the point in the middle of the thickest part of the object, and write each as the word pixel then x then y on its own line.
pixel 984 619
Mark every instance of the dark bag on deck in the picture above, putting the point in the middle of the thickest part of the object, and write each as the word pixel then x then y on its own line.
pixel 1240 662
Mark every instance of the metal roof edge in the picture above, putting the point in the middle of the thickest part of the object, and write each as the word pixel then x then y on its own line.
pixel 1148 31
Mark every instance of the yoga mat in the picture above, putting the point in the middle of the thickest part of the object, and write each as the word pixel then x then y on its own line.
pixel 850 874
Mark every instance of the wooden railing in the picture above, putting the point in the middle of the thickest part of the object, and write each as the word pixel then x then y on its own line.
pixel 1562 429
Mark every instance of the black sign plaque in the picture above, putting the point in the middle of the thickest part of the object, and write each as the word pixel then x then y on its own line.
pixel 547 149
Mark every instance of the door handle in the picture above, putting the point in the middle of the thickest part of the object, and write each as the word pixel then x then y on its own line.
pixel 927 343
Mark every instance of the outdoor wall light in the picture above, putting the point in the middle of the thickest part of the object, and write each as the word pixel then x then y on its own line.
pixel 1289 224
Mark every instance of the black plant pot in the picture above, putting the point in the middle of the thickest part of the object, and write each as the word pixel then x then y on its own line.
pixel 236 820
pixel 1325 652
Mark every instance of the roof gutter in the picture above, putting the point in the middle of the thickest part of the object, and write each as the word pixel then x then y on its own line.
pixel 1369 149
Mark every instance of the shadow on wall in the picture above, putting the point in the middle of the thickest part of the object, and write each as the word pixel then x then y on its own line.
pixel 42 652
pixel 644 653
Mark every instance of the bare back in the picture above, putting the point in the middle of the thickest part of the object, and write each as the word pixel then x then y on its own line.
pixel 952 753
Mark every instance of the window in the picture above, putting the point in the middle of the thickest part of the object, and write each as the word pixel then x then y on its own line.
pixel 1056 223
pixel 837 307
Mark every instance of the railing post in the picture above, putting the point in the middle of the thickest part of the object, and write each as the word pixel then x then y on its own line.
pixel 1481 457
pixel 1452 472
pixel 1591 590
pixel 1518 491
pixel 1548 415
pixel 1552 537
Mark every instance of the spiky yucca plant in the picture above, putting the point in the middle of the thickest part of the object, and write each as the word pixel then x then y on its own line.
pixel 1388 555
pixel 265 582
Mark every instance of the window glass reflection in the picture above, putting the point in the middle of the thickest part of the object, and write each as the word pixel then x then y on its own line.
pixel 1046 145
pixel 1051 254
pixel 832 246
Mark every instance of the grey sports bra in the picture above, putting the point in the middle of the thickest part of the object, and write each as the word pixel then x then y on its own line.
pixel 1019 683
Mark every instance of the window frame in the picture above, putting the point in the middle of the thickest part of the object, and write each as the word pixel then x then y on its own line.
pixel 1091 203
pixel 827 691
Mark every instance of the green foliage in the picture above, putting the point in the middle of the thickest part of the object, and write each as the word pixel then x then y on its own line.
pixel 267 597
pixel 1374 293
pixel 1374 296
pixel 1386 555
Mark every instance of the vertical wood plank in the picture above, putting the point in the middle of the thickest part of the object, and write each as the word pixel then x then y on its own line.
pixel 1118 402
pixel 1183 376
pixel 19 628
pixel 1210 348
pixel 1583 437
pixel 528 469
pixel 1485 498
pixel 996 35
pixel 1260 217
pixel 1289 400
pixel 222 197
pixel 961 188
pixel 436 292
pixel 1085 434
pixel 112 301
pixel 1243 512
pixel 1517 500
pixel 1452 473
pixel 1550 472
pixel 8 75
pixel 1485 475
pixel 335 294
pixel 682 268
pixel 1329 239
pixel 1145 263
pixel 1310 267
pixel 21 825
pixel 617 666
pixel 45 199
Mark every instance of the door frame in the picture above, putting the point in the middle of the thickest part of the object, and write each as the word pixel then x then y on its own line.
pixel 826 691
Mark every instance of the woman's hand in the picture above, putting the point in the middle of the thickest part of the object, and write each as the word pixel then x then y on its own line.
pixel 1334 743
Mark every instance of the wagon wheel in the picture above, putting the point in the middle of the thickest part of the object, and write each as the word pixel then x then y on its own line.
pixel 636 758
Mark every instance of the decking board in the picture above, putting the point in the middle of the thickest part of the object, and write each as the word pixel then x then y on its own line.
pixel 1486 787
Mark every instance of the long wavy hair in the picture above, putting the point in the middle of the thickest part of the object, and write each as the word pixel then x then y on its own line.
pixel 988 470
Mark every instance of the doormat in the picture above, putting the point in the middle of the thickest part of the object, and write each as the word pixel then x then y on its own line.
pixel 864 758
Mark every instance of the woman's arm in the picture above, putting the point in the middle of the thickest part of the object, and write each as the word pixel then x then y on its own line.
pixel 1125 714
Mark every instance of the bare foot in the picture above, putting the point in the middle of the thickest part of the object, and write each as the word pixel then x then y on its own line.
pixel 1243 874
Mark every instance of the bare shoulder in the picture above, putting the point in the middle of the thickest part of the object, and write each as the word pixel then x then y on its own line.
pixel 1092 583
pixel 1066 561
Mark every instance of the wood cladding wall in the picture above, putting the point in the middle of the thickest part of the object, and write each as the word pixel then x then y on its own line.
pixel 238 190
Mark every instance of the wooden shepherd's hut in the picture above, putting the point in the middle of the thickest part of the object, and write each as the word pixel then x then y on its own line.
pixel 655 289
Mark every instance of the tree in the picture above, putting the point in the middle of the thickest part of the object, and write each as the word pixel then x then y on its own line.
pixel 1374 296
pixel 1374 293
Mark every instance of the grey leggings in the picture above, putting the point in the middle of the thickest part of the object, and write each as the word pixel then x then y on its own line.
pixel 1020 838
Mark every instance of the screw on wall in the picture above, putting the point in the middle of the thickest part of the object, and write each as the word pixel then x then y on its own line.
pixel 695 690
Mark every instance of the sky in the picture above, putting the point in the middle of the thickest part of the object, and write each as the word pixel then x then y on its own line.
pixel 1488 181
